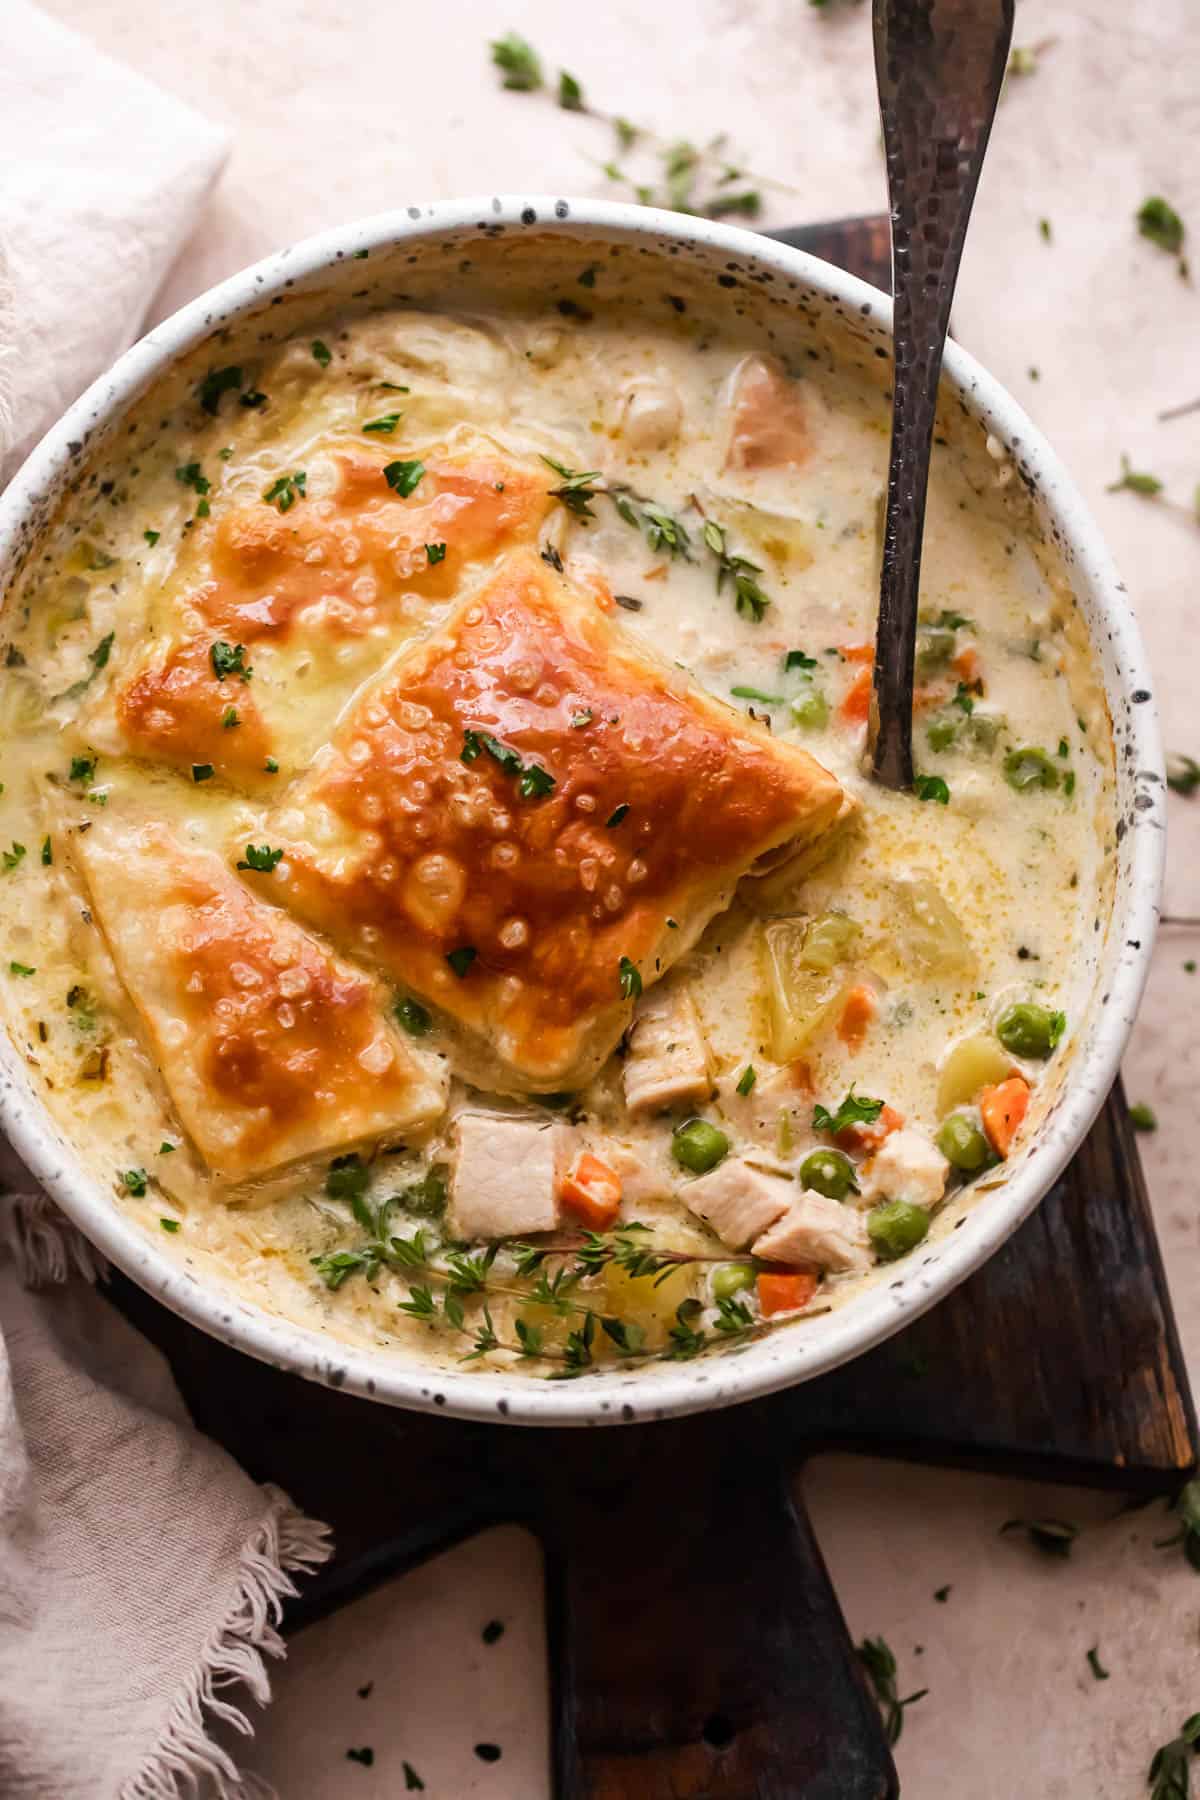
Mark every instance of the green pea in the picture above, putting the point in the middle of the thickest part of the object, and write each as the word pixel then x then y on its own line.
pixel 1026 1029
pixel 896 1227
pixel 811 710
pixel 941 734
pixel 962 1143
pixel 730 1279
pixel 1029 768
pixel 935 647
pixel 699 1146
pixel 828 1172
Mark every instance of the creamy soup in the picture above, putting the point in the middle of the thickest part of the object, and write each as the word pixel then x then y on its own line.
pixel 441 889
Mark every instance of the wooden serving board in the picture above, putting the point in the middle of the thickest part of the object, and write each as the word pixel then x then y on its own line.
pixel 724 1672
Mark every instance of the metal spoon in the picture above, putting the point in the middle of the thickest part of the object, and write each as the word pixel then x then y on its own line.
pixel 939 66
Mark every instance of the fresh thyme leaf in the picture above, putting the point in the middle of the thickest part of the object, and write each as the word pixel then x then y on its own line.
pixel 1022 60
pixel 261 858
pixel 216 383
pixel 346 1179
pixel 1135 481
pixel 1158 221
pixel 576 491
pixel 570 94
pixel 1053 1537
pixel 879 1661
pixel 460 960
pixel 365 1756
pixel 1169 1774
pixel 550 555
pixel 321 353
pixel 412 1781
pixel 436 553
pixel 796 659
pixel 20 968
pixel 386 424
pixel 169 1224
pixel 747 1079
pixel 11 858
pixel 83 768
pixel 1044 228
pixel 98 657
pixel 518 62
pixel 229 718
pixel 285 490
pixel 229 659
pixel 616 815
pixel 404 477
pixel 629 979
pixel 855 1109
pixel 1183 774
pixel 749 598
pixel 535 782
pixel 582 718
pixel 1142 1117
pixel 134 1182
pixel 1097 1668
pixel 942 1594
pixel 47 853
pixel 192 476
pixel 747 203
pixel 626 134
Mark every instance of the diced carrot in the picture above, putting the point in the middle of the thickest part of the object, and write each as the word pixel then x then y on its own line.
pixel 779 1293
pixel 800 1075
pixel 857 1013
pixel 591 1191
pixel 869 1137
pixel 856 702
pixel 858 653
pixel 1003 1108
pixel 966 665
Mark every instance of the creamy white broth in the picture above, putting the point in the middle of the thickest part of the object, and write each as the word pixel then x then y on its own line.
pixel 648 407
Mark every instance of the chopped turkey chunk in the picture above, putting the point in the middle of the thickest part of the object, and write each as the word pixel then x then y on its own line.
pixel 738 1200
pixel 906 1167
pixel 768 426
pixel 502 1178
pixel 667 1063
pixel 816 1230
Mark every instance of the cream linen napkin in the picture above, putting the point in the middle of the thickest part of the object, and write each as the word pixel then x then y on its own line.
pixel 141 1572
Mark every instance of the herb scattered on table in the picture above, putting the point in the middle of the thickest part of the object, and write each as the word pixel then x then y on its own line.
pixel 1187 1511
pixel 1142 1117
pixel 488 1753
pixel 1183 774
pixel 518 62
pixel 364 1692
pixel 1169 1775
pixel 365 1756
pixel 412 1781
pixel 492 1632
pixel 942 1594
pixel 879 1661
pixel 1094 1663
pixel 1053 1537
pixel 1135 480
pixel 1158 221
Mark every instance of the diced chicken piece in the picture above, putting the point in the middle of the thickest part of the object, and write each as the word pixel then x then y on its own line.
pixel 503 1176
pixel 739 1201
pixel 643 1177
pixel 651 414
pixel 667 1063
pixel 780 1094
pixel 906 1167
pixel 817 1230
pixel 769 424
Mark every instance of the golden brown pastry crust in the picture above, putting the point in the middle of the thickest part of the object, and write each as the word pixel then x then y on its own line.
pixel 271 1047
pixel 662 798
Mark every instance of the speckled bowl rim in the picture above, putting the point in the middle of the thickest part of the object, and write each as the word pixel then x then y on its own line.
pixel 785 1357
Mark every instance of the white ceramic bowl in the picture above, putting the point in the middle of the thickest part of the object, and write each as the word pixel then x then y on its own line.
pixel 491 249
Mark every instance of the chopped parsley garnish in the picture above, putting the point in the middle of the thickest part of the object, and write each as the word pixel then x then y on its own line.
pixel 11 858
pixel 796 659
pixel 746 1082
pixel 518 62
pixel 202 509
pixel 202 771
pixel 134 1181
pixel 151 537
pixel 321 353
pixel 629 979
pixel 931 787
pixel 166 1148
pixel 403 477
pixel 435 552
pixel 261 858
pixel 47 853
pixel 387 423
pixel 98 657
pixel 169 1224
pixel 286 490
pixel 532 780
pixel 581 718
pixel 271 766
pixel 1158 221
pixel 570 94
pixel 855 1109
pixel 550 555
pixel 190 475
pixel 83 768
pixel 216 383
pixel 616 815
pixel 229 659
pixel 460 960
pixel 20 968
pixel 1136 481
pixel 1183 774
pixel 413 1017
pixel 1142 1117
pixel 229 718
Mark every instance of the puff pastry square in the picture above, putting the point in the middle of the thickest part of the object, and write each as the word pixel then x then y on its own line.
pixel 528 817
pixel 271 1047
pixel 313 597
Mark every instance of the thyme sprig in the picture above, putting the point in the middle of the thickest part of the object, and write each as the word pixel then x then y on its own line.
pixel 879 1661
pixel 1169 1774
pixel 554 1272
